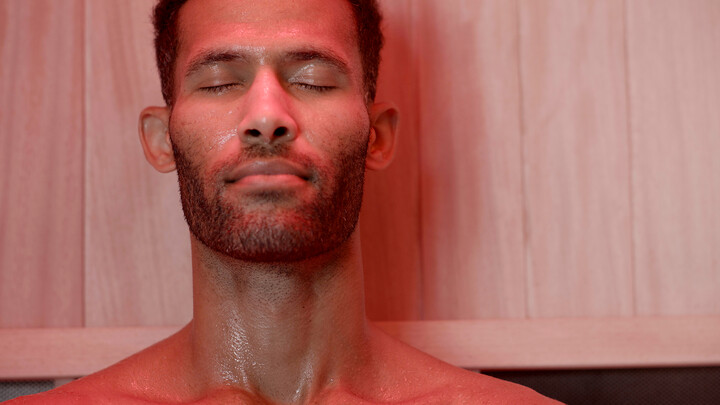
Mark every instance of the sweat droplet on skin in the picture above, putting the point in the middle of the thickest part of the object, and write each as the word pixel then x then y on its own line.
pixel 310 136
pixel 225 138
pixel 222 139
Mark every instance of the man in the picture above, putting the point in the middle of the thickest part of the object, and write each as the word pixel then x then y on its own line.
pixel 270 122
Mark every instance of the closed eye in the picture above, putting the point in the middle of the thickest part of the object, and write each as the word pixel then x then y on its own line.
pixel 312 87
pixel 219 89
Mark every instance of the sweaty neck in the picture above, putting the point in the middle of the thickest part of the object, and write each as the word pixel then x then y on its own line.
pixel 281 331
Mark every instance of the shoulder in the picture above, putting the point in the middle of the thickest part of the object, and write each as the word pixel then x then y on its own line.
pixel 433 381
pixel 482 389
pixel 460 386
pixel 104 387
pixel 129 381
pixel 63 396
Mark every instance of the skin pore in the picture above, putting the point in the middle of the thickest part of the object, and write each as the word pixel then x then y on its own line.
pixel 271 131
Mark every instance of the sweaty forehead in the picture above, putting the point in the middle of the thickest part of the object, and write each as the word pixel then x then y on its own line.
pixel 268 25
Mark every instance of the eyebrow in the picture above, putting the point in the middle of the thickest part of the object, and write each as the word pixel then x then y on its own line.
pixel 211 57
pixel 322 56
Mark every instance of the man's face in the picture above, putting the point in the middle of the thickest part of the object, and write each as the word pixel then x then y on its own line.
pixel 269 126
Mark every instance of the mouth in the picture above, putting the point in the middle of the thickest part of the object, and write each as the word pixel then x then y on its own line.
pixel 268 171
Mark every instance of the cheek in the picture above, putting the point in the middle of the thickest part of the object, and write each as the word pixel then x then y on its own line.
pixel 204 132
pixel 341 129
pixel 344 147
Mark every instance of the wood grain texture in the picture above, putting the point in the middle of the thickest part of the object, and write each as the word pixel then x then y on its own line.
pixel 41 149
pixel 390 228
pixel 508 344
pixel 567 343
pixel 49 353
pixel 471 194
pixel 674 55
pixel 138 268
pixel 576 158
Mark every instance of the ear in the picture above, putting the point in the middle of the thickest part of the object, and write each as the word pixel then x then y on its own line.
pixel 383 130
pixel 155 138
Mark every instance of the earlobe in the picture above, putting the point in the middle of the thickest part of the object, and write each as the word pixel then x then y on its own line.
pixel 155 138
pixel 381 145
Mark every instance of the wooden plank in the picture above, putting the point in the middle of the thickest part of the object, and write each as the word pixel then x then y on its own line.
pixel 576 158
pixel 138 268
pixel 390 226
pixel 41 165
pixel 485 344
pixel 567 343
pixel 674 59
pixel 471 177
pixel 73 352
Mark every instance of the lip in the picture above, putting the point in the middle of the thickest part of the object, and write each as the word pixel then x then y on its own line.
pixel 278 167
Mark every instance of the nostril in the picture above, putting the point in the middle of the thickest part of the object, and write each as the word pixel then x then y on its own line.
pixel 280 131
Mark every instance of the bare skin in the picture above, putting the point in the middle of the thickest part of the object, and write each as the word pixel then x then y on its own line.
pixel 291 332
pixel 332 357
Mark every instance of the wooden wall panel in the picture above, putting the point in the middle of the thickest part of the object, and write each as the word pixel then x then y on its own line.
pixel 525 184
pixel 674 54
pixel 137 245
pixel 469 129
pixel 491 344
pixel 41 149
pixel 576 158
pixel 390 229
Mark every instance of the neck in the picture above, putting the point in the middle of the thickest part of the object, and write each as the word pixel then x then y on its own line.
pixel 283 331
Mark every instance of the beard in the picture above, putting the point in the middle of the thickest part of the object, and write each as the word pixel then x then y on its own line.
pixel 279 228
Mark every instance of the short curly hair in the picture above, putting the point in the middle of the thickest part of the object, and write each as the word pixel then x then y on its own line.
pixel 367 23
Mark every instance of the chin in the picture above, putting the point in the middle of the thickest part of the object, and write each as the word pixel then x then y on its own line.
pixel 277 237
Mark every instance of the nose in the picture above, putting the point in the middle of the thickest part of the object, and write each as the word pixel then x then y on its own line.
pixel 267 117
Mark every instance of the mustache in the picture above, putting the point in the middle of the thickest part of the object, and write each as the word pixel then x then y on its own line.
pixel 260 151
pixel 266 151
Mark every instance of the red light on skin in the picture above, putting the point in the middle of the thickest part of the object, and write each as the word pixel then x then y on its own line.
pixel 270 181
pixel 276 173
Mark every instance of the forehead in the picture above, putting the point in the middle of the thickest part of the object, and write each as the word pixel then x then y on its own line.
pixel 267 26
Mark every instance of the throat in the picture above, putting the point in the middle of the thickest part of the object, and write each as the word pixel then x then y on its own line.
pixel 283 334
